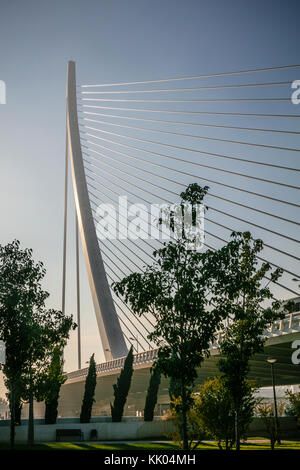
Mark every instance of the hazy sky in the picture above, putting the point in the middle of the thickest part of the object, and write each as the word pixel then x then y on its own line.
pixel 110 40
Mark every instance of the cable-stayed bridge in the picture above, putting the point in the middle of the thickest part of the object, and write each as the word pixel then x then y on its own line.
pixel 236 132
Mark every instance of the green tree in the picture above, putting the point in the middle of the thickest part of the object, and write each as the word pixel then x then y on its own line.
pixel 19 290
pixel 17 401
pixel 18 410
pixel 28 329
pixel 238 289
pixel 89 392
pixel 47 330
pixel 48 386
pixel 266 412
pixel 215 407
pixel 151 398
pixel 293 399
pixel 121 388
pixel 174 390
pixel 175 290
pixel 195 427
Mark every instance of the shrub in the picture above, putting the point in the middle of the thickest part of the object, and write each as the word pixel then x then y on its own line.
pixel 293 403
pixel 195 428
pixel 266 412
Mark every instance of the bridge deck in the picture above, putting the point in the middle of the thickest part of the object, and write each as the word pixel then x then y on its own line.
pixel 280 332
pixel 279 344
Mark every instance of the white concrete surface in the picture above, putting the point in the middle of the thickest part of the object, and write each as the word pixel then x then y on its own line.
pixel 134 430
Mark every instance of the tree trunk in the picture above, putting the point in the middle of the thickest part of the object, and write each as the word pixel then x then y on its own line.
pixel 12 415
pixel 185 443
pixel 31 417
pixel 237 429
pixel 18 410
pixel 272 441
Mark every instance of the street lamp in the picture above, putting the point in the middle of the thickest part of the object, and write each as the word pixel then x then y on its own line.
pixel 273 361
pixel 137 343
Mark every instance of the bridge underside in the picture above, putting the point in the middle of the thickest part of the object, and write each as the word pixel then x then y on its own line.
pixel 286 373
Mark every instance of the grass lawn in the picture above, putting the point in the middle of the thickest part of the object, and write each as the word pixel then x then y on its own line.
pixel 257 444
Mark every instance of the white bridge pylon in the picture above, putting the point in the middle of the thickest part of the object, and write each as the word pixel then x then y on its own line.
pixel 144 151
pixel 111 335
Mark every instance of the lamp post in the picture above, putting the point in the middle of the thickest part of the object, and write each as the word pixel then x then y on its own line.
pixel 296 280
pixel 137 343
pixel 273 361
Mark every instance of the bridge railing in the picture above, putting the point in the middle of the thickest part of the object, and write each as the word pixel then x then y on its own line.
pixel 289 324
pixel 140 358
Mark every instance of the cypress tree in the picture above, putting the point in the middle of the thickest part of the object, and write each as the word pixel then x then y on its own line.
pixel 89 392
pixel 151 398
pixel 51 410
pixel 18 411
pixel 53 381
pixel 18 406
pixel 121 388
